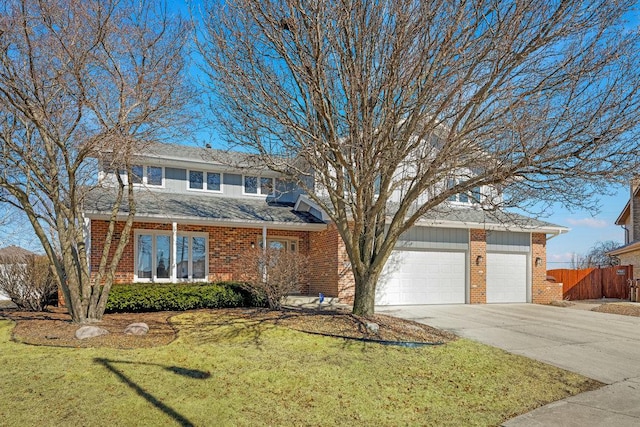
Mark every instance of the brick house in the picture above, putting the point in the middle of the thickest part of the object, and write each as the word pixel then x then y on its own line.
pixel 629 220
pixel 195 216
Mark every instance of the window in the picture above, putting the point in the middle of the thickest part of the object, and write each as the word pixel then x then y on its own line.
pixel 258 185
pixel 214 181
pixel 147 175
pixel 154 175
pixel 251 184
pixel 137 173
pixel 197 180
pixel 473 196
pixel 191 257
pixel 153 256
pixel 287 244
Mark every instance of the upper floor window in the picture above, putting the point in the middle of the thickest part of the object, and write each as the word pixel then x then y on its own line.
pixel 472 196
pixel 258 185
pixel 147 175
pixel 210 181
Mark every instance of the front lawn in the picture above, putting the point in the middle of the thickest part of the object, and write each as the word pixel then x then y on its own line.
pixel 230 371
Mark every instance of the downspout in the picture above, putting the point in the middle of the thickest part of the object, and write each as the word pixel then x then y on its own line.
pixel 626 234
pixel 86 230
pixel 174 251
pixel 264 252
pixel 264 238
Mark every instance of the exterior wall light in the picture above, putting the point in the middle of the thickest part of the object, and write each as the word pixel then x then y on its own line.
pixel 253 245
pixel 538 261
pixel 479 259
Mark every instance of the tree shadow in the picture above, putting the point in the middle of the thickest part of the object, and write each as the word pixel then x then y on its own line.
pixel 245 327
pixel 110 365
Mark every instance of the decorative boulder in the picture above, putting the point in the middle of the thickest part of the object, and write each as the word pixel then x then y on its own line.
pixel 373 327
pixel 85 332
pixel 137 329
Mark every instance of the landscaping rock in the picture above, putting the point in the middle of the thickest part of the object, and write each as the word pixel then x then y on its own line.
pixel 137 329
pixel 373 327
pixel 90 331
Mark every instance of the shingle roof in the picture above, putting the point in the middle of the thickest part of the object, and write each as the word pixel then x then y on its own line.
pixel 472 215
pixel 15 252
pixel 195 154
pixel 207 207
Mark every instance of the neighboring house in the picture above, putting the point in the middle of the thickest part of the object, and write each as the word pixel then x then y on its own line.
pixel 195 216
pixel 12 254
pixel 629 220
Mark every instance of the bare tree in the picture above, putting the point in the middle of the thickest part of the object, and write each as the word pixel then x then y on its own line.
pixel 77 79
pixel 395 107
pixel 275 273
pixel 28 281
pixel 598 255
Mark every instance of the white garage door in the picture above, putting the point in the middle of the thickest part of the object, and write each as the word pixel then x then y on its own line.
pixel 422 277
pixel 506 277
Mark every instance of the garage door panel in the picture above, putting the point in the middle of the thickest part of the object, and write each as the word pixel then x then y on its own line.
pixel 423 277
pixel 506 277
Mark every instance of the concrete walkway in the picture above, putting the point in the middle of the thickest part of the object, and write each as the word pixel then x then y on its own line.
pixel 601 346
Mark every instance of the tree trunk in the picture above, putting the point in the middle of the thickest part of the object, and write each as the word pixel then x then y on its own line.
pixel 365 295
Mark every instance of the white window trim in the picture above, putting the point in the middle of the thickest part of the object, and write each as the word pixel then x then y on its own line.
pixel 204 188
pixel 259 189
pixel 173 275
pixel 190 279
pixel 154 267
pixel 287 239
pixel 470 200
pixel 145 177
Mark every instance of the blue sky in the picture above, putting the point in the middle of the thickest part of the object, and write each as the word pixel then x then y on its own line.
pixel 586 229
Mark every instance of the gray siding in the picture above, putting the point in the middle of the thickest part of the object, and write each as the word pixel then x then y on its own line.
pixel 434 238
pixel 232 185
pixel 508 241
pixel 175 180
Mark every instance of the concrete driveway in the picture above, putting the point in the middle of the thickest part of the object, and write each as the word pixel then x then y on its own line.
pixel 601 346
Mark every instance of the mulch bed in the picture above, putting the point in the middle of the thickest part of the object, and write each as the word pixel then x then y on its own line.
pixel 54 327
pixel 623 308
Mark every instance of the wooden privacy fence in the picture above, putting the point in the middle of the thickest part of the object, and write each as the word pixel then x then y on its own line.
pixel 593 283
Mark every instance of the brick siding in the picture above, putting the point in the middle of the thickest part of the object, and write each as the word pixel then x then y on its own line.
pixel 542 291
pixel 226 245
pixel 329 269
pixel 478 271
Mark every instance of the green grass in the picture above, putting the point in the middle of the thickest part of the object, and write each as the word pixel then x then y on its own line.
pixel 242 373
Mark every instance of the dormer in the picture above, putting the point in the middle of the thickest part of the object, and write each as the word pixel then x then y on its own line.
pixel 201 172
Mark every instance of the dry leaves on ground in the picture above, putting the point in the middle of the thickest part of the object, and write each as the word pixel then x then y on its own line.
pixel 54 328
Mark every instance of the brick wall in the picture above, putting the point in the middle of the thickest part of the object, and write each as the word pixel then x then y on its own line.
pixel 478 276
pixel 346 282
pixel 542 291
pixel 226 244
pixel 329 269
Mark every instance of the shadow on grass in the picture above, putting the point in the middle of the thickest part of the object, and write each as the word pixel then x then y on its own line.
pixel 110 365
pixel 247 327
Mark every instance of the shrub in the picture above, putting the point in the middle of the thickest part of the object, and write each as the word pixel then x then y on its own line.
pixel 178 297
pixel 28 281
pixel 272 274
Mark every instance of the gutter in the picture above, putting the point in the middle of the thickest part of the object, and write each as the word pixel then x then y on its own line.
pixel 279 225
